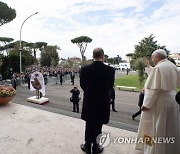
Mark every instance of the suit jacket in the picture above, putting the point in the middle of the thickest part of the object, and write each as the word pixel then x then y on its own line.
pixel 75 95
pixel 96 80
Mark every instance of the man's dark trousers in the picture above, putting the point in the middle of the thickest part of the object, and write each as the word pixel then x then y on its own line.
pixel 75 106
pixel 91 132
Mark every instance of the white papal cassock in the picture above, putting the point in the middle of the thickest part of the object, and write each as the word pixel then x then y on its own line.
pixel 162 122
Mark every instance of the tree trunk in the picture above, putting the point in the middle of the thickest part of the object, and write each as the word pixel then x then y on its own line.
pixel 82 62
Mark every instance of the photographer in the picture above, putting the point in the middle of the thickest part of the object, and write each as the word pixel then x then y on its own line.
pixel 75 99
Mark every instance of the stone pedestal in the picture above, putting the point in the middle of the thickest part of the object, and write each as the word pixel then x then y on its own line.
pixel 40 101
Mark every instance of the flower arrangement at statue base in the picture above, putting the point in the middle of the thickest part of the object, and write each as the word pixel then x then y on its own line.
pixel 7 93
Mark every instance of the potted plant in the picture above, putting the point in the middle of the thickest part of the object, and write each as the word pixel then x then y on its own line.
pixel 6 94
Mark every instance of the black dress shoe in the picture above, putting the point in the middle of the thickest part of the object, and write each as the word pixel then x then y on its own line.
pixel 97 150
pixel 133 117
pixel 85 149
pixel 114 110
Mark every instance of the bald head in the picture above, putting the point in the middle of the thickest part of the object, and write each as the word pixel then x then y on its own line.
pixel 98 54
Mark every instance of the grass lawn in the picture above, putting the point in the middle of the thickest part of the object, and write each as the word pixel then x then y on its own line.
pixel 130 81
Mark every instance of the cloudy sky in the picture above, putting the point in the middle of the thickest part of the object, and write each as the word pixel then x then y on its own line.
pixel 114 25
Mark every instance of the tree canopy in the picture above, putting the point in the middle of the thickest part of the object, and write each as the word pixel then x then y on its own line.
pixel 12 61
pixel 113 60
pixel 49 56
pixel 147 46
pixel 35 46
pixel 7 14
pixel 82 42
pixel 81 39
pixel 129 54
pixel 6 39
pixel 144 48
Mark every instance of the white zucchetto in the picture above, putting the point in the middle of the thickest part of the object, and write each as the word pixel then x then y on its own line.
pixel 160 51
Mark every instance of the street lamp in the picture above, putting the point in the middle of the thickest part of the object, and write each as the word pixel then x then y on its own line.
pixel 20 46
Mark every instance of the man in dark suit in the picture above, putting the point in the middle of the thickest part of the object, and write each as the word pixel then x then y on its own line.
pixel 96 80
pixel 72 75
pixel 140 103
pixel 112 99
pixel 61 77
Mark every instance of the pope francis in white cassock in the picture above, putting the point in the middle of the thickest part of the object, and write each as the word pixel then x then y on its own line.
pixel 160 120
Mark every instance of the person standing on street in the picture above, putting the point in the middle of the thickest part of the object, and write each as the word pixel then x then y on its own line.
pixel 112 99
pixel 140 103
pixel 75 99
pixel 72 75
pixel 96 80
pixel 14 80
pixel 61 77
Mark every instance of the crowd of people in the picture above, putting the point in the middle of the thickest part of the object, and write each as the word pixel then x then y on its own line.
pixel 59 73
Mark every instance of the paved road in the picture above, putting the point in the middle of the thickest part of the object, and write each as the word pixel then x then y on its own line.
pixel 126 103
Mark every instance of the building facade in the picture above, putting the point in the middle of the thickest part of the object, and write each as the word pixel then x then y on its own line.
pixel 176 57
